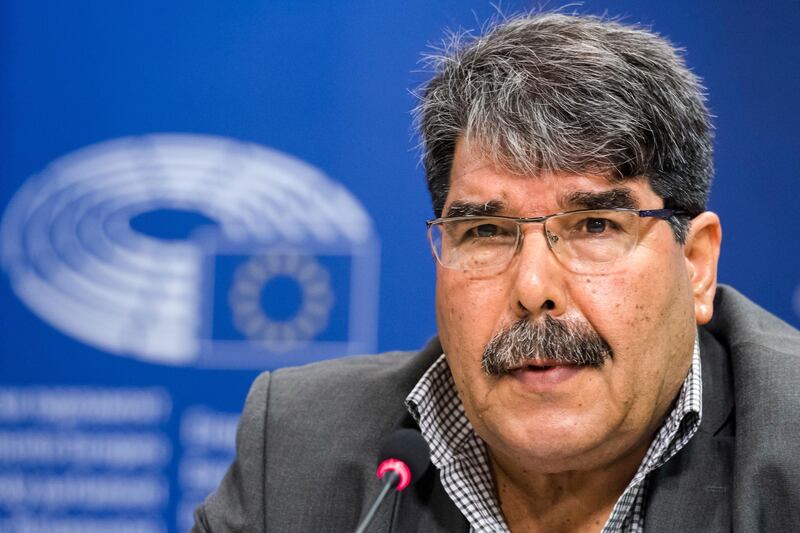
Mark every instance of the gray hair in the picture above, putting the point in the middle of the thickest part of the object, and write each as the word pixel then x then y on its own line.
pixel 578 94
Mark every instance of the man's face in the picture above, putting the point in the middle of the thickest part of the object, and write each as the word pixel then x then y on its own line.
pixel 644 307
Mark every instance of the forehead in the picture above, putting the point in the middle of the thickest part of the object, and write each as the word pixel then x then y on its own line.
pixel 475 180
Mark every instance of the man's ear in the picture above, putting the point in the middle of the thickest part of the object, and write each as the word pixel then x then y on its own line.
pixel 702 254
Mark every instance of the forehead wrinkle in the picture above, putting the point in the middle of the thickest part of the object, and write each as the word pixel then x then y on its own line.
pixel 619 197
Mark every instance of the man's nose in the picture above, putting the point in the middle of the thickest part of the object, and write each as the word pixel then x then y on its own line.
pixel 537 277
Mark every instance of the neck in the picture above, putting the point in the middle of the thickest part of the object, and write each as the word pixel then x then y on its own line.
pixel 574 501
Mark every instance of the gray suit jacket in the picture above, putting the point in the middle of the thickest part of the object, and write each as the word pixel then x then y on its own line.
pixel 308 441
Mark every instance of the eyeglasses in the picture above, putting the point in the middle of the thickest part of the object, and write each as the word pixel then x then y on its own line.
pixel 584 241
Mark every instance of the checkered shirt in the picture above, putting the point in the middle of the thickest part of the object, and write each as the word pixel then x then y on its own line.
pixel 462 460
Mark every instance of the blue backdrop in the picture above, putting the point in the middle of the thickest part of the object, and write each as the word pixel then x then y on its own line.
pixel 193 192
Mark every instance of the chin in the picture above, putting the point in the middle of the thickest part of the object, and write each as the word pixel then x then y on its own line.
pixel 550 448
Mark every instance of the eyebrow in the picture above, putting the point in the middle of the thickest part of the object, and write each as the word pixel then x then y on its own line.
pixel 461 208
pixel 621 197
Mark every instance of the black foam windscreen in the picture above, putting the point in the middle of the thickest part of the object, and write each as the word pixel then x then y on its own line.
pixel 407 445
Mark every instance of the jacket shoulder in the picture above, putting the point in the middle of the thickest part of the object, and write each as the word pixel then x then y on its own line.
pixel 324 425
pixel 307 442
pixel 738 321
pixel 350 385
pixel 764 353
pixel 765 363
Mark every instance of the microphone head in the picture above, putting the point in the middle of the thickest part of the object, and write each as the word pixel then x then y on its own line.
pixel 408 447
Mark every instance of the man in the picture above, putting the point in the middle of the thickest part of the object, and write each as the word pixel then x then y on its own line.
pixel 589 375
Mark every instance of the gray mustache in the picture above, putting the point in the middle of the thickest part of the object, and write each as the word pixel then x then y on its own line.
pixel 562 341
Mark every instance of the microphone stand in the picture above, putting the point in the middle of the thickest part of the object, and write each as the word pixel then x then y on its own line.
pixel 392 478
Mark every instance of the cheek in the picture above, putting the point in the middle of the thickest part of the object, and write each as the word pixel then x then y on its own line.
pixel 642 300
pixel 646 317
pixel 467 313
pixel 611 304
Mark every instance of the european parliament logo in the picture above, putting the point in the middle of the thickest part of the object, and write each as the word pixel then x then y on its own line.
pixel 195 250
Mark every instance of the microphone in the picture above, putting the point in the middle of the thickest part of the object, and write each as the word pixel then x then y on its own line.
pixel 403 458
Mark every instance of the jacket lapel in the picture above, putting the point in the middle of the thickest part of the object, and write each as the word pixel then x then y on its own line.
pixel 426 507
pixel 692 491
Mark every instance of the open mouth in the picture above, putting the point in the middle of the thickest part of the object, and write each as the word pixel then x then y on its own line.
pixel 539 368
